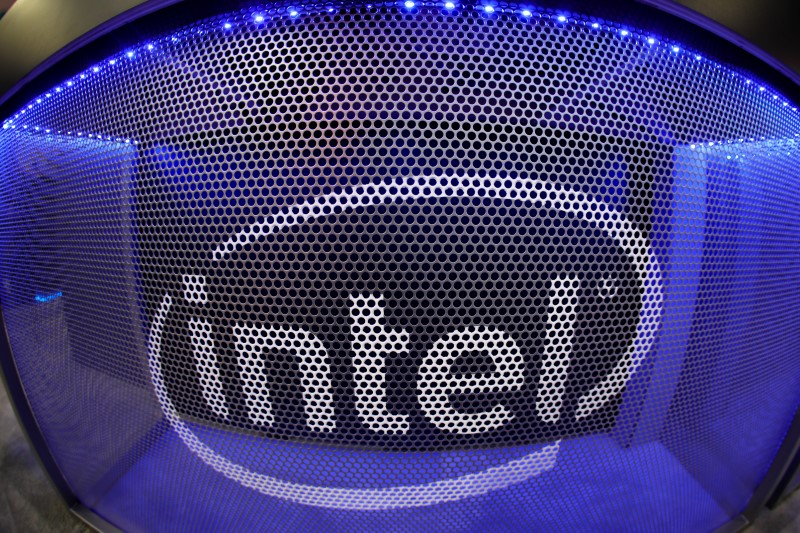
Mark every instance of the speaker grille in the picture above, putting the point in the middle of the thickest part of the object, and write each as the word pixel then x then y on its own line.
pixel 406 267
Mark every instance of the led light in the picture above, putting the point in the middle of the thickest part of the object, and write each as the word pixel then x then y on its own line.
pixel 227 25
pixel 150 47
pixel 409 4
pixel 595 25
pixel 624 33
pixel 526 13
pixel 330 10
pixel 676 49
pixel 44 298
pixel 450 5
pixel 96 69
pixel 129 54
pixel 38 100
pixel 259 18
pixel 293 14
pixel 698 57
pixel 112 62
pixel 488 9
pixel 69 84
pixel 562 18
pixel 651 41
pixel 761 89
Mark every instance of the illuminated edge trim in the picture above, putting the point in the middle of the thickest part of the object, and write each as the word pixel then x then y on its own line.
pixel 446 490
pixel 255 17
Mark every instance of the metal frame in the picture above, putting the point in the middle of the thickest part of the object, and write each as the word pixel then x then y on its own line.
pixel 31 74
pixel 136 17
pixel 701 21
pixel 788 485
pixel 93 520
pixel 27 420
pixel 773 483
pixel 58 35
pixel 770 489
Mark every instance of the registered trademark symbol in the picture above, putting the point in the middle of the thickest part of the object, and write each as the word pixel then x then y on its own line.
pixel 607 288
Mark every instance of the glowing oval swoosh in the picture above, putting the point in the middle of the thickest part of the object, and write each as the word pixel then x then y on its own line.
pixel 499 477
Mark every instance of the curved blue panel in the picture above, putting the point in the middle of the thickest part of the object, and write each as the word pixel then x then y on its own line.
pixel 406 267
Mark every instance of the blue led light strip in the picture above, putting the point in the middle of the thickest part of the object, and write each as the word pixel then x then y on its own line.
pixel 256 18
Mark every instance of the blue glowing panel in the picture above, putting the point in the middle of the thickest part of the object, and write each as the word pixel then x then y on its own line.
pixel 406 267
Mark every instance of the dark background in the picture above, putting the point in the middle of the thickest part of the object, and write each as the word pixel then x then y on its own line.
pixel 772 25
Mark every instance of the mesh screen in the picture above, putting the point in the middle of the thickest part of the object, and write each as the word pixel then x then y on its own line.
pixel 406 267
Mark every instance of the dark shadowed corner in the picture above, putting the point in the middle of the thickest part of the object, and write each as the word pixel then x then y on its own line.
pixel 27 500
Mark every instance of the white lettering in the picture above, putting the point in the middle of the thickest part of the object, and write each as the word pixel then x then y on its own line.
pixel 436 384
pixel 560 329
pixel 205 358
pixel 372 344
pixel 253 341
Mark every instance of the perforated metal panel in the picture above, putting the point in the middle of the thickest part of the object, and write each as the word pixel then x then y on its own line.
pixel 406 267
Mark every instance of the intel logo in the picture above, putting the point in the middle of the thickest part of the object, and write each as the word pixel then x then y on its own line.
pixel 420 314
